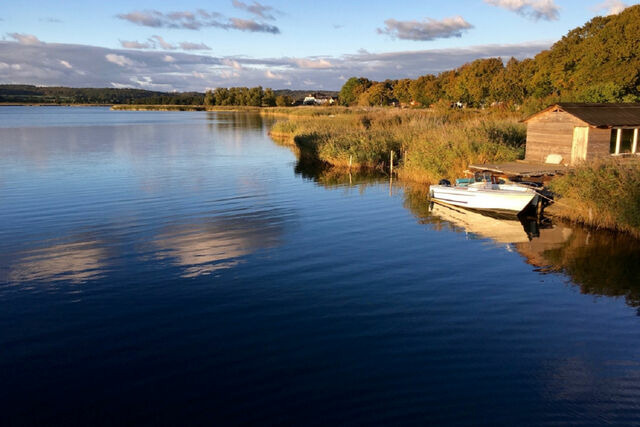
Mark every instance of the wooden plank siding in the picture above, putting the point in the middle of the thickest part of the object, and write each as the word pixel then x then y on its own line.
pixel 551 133
pixel 598 143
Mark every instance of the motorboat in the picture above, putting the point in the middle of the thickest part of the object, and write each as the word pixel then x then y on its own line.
pixel 485 193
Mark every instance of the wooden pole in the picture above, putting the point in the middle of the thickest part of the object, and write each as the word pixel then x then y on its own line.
pixel 634 148
pixel 618 140
pixel 350 159
pixel 391 163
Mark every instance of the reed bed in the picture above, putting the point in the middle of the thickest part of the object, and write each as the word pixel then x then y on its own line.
pixel 428 145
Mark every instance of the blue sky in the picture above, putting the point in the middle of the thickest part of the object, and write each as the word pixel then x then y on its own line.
pixel 193 45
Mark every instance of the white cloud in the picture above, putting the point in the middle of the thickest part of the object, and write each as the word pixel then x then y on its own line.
pixel 430 29
pixel 65 64
pixel 163 44
pixel 313 64
pixel 197 20
pixel 611 7
pixel 232 63
pixel 260 10
pixel 27 39
pixel 274 76
pixel 134 44
pixel 120 60
pixel 40 64
pixel 193 46
pixel 534 9
pixel 158 42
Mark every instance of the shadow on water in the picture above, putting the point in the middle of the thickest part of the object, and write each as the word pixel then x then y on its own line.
pixel 329 177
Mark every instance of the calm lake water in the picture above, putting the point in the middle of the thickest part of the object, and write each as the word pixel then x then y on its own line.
pixel 182 268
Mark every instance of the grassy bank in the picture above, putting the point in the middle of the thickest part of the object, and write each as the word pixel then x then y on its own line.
pixel 602 194
pixel 428 145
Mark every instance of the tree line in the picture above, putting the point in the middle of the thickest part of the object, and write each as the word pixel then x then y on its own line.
pixel 598 62
pixel 256 96
pixel 68 95
pixel 244 96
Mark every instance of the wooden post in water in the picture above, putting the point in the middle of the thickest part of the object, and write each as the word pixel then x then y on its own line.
pixel 391 163
pixel 350 159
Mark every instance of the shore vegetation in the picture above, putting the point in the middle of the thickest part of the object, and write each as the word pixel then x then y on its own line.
pixel 603 193
pixel 427 145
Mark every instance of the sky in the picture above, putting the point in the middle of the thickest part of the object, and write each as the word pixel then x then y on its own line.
pixel 194 45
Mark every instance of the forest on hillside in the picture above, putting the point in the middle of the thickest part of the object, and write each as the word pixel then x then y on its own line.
pixel 598 62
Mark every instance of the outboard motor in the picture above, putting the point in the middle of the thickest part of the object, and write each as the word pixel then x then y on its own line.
pixel 445 182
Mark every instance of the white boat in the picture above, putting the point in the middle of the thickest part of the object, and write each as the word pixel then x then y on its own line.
pixel 486 195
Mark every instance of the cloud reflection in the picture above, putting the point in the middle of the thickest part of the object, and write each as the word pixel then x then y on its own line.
pixel 220 243
pixel 73 262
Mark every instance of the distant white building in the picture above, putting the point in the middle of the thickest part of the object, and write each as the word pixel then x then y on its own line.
pixel 318 99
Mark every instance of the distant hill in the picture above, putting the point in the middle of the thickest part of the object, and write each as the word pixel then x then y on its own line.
pixel 67 95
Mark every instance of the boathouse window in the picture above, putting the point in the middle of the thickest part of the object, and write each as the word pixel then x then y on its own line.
pixel 623 141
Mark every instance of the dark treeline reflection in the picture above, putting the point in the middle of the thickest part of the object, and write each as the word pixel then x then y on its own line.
pixel 328 177
pixel 599 262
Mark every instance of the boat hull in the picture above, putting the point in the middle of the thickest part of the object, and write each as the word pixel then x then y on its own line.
pixel 498 200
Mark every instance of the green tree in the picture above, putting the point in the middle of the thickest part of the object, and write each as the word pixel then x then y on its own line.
pixel 269 98
pixel 352 89
pixel 425 90
pixel 402 90
pixel 209 98
pixel 283 100
pixel 378 94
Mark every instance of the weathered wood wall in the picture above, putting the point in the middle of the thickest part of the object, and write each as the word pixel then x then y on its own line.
pixel 598 145
pixel 551 133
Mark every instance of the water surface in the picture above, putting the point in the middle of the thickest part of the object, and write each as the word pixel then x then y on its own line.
pixel 181 267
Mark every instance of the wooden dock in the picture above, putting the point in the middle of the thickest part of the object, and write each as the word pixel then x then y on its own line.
pixel 521 169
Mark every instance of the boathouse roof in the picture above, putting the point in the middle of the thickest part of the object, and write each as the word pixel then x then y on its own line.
pixel 598 115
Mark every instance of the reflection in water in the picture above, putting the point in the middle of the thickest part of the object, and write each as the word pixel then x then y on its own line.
pixel 329 177
pixel 235 120
pixel 600 262
pixel 220 242
pixel 500 230
pixel 73 262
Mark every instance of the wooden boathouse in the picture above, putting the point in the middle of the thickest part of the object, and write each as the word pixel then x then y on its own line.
pixel 568 133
